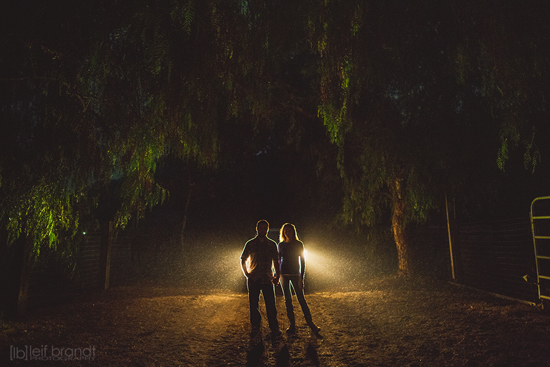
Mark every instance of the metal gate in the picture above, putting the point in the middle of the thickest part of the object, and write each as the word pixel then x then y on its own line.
pixel 540 227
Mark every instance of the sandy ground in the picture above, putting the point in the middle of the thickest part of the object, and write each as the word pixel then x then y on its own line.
pixel 383 322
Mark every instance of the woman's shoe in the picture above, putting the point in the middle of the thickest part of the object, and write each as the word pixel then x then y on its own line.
pixel 314 327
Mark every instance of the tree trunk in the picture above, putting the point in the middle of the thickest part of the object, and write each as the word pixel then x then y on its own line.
pixel 15 272
pixel 398 227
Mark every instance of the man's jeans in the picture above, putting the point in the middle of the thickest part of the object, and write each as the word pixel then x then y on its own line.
pixel 268 291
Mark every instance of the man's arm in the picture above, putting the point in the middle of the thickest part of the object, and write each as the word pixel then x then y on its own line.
pixel 276 266
pixel 243 267
pixel 244 256
pixel 276 276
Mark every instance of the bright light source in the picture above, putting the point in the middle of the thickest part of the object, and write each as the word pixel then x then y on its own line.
pixel 322 265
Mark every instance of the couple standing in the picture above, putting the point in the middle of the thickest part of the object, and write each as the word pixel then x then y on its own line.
pixel 260 255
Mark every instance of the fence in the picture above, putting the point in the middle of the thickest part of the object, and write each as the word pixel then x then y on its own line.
pixel 491 256
pixel 55 276
pixel 497 257
pixel 134 251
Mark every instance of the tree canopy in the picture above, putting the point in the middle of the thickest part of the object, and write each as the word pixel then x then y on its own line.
pixel 93 95
pixel 418 98
pixel 415 95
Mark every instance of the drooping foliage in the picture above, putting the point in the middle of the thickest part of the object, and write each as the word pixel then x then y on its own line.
pixel 417 98
pixel 93 94
pixel 415 95
pixel 503 51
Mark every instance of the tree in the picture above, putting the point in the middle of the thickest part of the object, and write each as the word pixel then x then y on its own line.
pixel 97 93
pixel 92 95
pixel 409 89
pixel 375 105
pixel 503 50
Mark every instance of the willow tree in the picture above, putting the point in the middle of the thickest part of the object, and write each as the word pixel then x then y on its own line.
pixel 503 49
pixel 408 89
pixel 94 94
pixel 98 93
pixel 374 101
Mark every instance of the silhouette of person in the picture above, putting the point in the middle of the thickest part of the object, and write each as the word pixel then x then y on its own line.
pixel 292 265
pixel 258 260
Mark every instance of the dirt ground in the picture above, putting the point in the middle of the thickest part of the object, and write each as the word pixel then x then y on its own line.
pixel 384 322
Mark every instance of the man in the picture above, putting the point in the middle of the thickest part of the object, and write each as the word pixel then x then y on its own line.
pixel 258 259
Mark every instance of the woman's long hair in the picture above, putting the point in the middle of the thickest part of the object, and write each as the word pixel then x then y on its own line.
pixel 293 235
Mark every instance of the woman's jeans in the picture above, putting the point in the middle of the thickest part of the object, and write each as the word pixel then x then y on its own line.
pixel 268 291
pixel 295 282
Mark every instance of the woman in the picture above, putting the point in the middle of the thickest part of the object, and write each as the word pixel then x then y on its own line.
pixel 292 265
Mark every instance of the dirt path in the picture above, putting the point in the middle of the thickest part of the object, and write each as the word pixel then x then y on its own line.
pixel 386 322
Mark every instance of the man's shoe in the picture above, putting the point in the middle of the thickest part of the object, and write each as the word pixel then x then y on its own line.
pixel 291 329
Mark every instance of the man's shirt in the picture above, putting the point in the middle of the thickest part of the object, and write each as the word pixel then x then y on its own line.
pixel 260 256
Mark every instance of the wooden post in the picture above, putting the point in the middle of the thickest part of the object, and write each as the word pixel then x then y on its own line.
pixel 25 276
pixel 105 254
pixel 450 238
pixel 184 222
